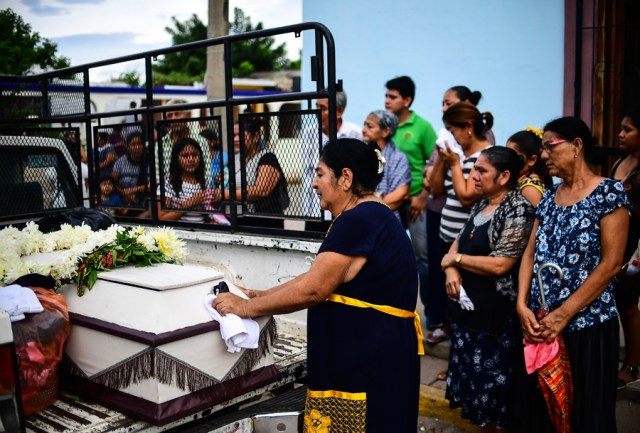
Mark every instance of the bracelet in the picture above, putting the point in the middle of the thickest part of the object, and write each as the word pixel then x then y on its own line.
pixel 459 260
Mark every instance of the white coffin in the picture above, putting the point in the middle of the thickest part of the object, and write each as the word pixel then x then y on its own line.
pixel 142 342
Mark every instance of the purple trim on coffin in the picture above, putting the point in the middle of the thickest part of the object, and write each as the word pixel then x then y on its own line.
pixel 172 410
pixel 148 338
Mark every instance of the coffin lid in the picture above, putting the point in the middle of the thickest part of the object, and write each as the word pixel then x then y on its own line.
pixel 164 276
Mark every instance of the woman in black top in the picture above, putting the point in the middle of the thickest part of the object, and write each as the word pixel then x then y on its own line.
pixel 480 271
pixel 627 170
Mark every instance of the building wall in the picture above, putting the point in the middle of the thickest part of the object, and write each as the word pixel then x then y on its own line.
pixel 512 51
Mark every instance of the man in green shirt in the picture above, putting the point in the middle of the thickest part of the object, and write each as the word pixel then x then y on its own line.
pixel 416 138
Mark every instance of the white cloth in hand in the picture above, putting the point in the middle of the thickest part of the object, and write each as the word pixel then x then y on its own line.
pixel 237 333
pixel 17 300
pixel 445 135
pixel 464 300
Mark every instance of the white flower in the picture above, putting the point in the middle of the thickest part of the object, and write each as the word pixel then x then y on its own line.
pixel 78 242
pixel 65 267
pixel 147 241
pixel 16 269
pixel 170 245
pixel 138 231
pixel 41 268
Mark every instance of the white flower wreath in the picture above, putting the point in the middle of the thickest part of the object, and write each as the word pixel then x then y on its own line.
pixel 80 243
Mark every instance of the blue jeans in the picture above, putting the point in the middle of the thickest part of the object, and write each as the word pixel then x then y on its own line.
pixel 418 233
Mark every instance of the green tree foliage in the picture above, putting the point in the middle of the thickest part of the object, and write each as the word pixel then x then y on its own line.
pixel 183 67
pixel 257 54
pixel 22 48
pixel 189 66
pixel 131 78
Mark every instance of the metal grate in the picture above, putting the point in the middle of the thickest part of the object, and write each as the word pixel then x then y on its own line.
pixel 38 174
pixel 293 138
pixel 20 101
pixel 280 167
pixel 54 97
pixel 190 163
pixel 66 95
pixel 121 165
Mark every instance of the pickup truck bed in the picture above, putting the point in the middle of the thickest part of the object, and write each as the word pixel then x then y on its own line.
pixel 68 414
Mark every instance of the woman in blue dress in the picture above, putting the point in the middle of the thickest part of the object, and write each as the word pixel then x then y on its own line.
pixel 581 225
pixel 362 331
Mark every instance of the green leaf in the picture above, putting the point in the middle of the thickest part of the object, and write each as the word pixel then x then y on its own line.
pixel 91 279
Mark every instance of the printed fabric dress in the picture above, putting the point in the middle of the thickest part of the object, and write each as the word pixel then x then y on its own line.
pixel 569 236
pixel 483 340
pixel 533 181
pixel 363 365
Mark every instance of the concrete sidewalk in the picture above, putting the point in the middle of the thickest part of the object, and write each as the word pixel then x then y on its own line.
pixel 436 417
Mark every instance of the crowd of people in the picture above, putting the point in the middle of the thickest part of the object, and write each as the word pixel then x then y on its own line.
pixel 515 249
pixel 191 170
pixel 520 249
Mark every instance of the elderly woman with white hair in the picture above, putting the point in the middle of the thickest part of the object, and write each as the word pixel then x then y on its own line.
pixel 393 189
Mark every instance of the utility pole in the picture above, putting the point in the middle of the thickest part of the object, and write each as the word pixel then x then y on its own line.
pixel 218 25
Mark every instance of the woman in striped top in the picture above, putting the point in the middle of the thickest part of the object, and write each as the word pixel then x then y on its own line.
pixel 452 175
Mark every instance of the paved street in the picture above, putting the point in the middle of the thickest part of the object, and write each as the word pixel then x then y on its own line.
pixel 436 417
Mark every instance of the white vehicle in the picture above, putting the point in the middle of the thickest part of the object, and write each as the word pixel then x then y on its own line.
pixel 133 332
pixel 39 174
pixel 141 318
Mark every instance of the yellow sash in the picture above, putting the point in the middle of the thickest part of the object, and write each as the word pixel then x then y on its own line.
pixel 341 299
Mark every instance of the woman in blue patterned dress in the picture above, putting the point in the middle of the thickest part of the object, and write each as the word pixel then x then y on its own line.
pixel 362 331
pixel 581 225
pixel 480 271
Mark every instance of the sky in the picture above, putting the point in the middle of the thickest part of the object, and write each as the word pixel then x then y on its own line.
pixel 92 30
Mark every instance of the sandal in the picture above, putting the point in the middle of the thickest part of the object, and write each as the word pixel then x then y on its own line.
pixel 437 336
pixel 442 375
pixel 630 372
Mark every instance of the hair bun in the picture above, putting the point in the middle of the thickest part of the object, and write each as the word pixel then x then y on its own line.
pixel 475 97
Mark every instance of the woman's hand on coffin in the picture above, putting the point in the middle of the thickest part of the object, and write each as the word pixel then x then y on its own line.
pixel 228 303
pixel 250 293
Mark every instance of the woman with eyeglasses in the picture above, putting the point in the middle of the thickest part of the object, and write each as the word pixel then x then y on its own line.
pixel 581 226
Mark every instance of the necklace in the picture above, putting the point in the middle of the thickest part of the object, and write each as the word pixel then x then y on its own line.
pixel 479 220
pixel 354 200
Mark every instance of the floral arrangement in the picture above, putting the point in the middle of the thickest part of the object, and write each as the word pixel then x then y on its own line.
pixel 536 131
pixel 87 253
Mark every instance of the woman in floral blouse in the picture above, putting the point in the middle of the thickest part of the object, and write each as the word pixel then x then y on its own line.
pixel 581 225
